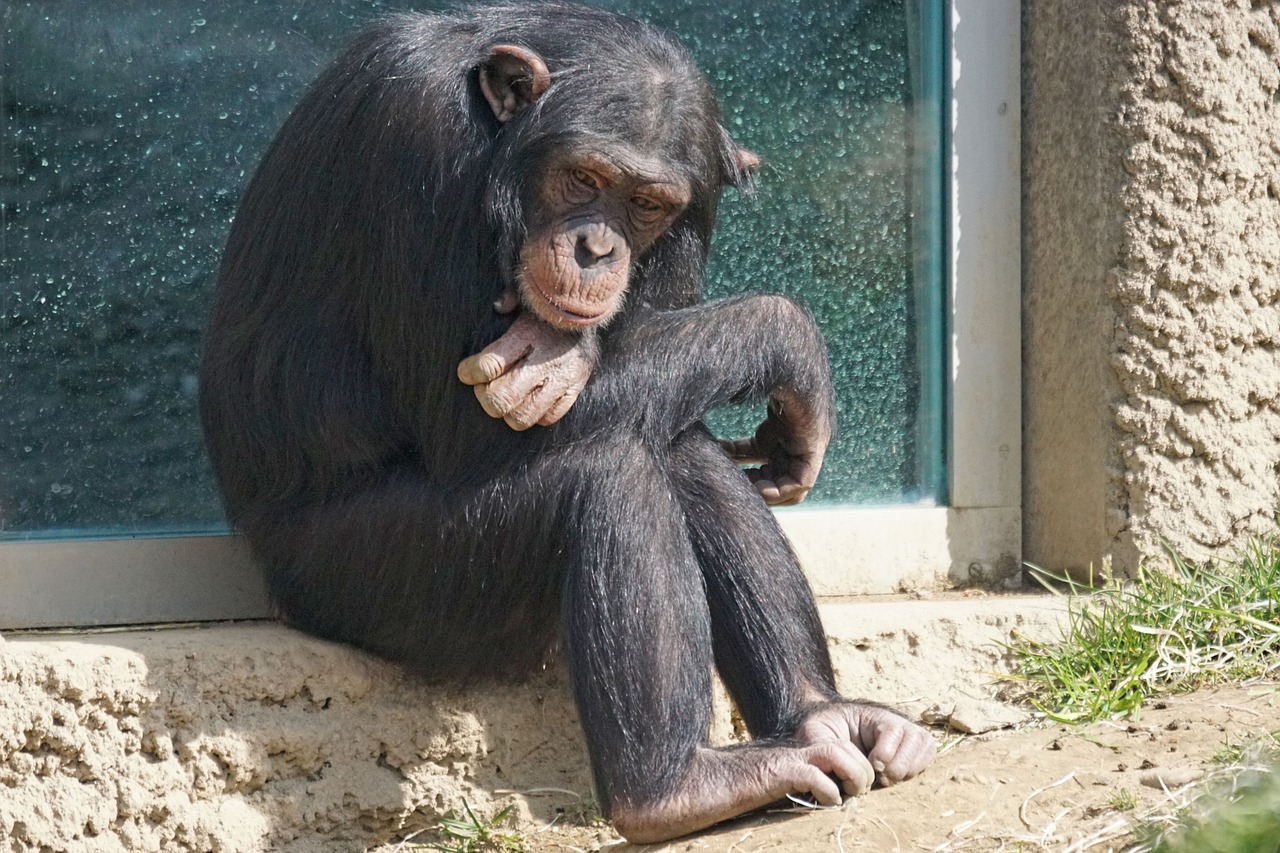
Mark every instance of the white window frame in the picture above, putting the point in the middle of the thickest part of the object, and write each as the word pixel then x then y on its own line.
pixel 976 537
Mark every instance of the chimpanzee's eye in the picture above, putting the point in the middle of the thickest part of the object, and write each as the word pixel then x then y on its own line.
pixel 647 211
pixel 581 186
pixel 585 178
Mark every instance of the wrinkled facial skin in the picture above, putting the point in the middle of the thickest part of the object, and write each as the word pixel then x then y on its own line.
pixel 593 216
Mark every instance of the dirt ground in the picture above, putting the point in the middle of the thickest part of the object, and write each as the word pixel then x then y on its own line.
pixel 1043 787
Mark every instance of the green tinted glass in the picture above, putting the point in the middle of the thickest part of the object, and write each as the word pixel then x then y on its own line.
pixel 128 130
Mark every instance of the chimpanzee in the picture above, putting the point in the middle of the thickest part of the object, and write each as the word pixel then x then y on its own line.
pixel 515 203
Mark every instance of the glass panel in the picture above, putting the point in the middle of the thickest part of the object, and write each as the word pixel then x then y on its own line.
pixel 127 131
pixel 843 102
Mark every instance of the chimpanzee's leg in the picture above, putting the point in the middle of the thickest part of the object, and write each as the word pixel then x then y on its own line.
pixel 769 644
pixel 637 635
pixel 636 627
pixel 453 583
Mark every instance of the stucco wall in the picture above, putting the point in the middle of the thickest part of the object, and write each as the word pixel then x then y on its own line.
pixel 1151 240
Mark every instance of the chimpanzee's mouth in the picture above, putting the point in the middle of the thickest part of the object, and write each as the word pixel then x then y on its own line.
pixel 570 317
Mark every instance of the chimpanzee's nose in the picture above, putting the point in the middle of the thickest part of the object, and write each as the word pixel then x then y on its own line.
pixel 594 248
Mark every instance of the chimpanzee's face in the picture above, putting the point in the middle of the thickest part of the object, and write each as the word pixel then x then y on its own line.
pixel 594 212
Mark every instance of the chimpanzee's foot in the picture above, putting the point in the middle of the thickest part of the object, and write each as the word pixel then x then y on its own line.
pixel 896 748
pixel 724 783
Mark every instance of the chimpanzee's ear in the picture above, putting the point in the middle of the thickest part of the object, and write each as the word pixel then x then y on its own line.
pixel 738 165
pixel 745 166
pixel 511 79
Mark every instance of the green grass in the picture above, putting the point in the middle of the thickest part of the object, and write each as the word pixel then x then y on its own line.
pixel 1165 631
pixel 1173 631
pixel 1240 815
pixel 1123 800
pixel 585 812
pixel 1233 752
pixel 467 833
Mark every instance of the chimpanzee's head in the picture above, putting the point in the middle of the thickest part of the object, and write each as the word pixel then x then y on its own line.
pixel 600 158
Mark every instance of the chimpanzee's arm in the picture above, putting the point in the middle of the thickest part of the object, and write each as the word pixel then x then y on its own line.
pixel 660 372
pixel 670 368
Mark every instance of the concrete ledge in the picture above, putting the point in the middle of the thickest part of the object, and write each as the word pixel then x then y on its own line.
pixel 252 737
pixel 901 549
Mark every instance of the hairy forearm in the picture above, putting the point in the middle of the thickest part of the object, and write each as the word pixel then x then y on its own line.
pixel 680 364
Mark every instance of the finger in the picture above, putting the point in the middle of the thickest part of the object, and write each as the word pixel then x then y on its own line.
pixel 530 408
pixel 764 485
pixel 805 468
pixel 790 499
pixel 863 773
pixel 743 451
pixel 519 386
pixel 846 762
pixel 790 490
pixel 512 397
pixel 481 367
pixel 493 408
pixel 518 423
pixel 915 750
pixel 541 405
pixel 776 490
pixel 769 491
pixel 560 407
pixel 888 740
pixel 501 397
pixel 818 784
pixel 494 360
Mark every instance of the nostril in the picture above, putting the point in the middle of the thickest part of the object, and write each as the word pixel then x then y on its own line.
pixel 590 253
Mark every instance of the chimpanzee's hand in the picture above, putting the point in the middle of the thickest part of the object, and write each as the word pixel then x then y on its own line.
pixel 530 375
pixel 788 447
pixel 895 748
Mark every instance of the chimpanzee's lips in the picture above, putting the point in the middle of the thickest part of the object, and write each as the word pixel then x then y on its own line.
pixel 570 317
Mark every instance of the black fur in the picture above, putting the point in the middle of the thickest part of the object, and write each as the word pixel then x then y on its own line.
pixel 390 512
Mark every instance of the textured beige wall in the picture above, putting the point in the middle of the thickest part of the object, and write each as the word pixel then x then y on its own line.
pixel 1151 156
pixel 250 738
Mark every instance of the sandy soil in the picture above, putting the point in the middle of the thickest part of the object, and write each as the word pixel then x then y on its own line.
pixel 1043 787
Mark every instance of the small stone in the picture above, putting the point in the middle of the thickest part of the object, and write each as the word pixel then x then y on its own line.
pixel 966 775
pixel 1170 778
pixel 975 716
pixel 937 715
